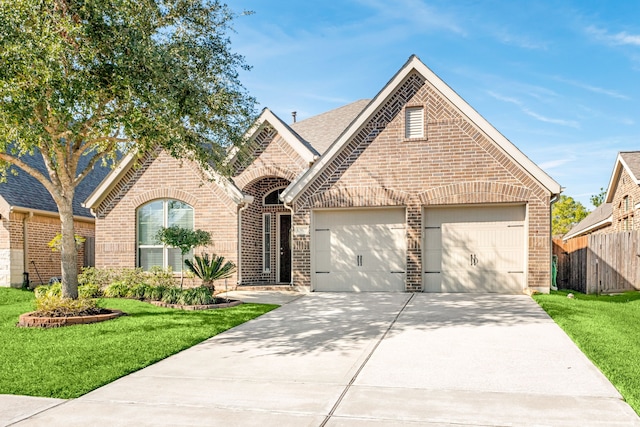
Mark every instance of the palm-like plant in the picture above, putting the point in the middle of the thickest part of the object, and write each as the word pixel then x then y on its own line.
pixel 209 269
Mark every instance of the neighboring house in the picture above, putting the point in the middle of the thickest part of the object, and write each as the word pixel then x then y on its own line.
pixel 410 191
pixel 621 208
pixel 30 220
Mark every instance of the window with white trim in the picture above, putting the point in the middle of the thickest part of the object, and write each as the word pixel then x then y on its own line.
pixel 414 122
pixel 266 243
pixel 150 218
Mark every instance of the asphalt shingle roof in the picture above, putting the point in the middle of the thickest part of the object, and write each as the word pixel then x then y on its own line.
pixel 322 130
pixel 599 214
pixel 23 190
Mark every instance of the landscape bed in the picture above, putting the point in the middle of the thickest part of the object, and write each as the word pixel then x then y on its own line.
pixel 71 361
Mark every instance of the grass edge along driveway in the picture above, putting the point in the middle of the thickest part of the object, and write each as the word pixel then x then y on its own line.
pixel 607 330
pixel 71 361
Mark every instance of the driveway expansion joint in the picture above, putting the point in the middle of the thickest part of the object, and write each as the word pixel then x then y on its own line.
pixel 364 362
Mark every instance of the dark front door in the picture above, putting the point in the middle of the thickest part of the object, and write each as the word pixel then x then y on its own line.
pixel 284 240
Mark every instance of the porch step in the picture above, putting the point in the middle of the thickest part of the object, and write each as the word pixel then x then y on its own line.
pixel 284 287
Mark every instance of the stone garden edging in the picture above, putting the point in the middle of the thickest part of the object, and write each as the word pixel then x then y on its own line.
pixel 30 320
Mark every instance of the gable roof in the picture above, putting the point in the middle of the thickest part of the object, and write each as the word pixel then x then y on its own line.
pixel 101 191
pixel 267 118
pixel 628 160
pixel 323 129
pixel 24 192
pixel 601 217
pixel 414 64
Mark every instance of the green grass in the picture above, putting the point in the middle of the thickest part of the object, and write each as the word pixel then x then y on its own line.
pixel 607 330
pixel 71 361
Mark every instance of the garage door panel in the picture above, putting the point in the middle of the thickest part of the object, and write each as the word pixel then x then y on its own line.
pixel 360 281
pixel 365 250
pixel 481 249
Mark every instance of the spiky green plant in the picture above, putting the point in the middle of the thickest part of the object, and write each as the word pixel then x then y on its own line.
pixel 210 268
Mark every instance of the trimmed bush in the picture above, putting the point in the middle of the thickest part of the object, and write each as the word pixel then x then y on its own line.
pixel 48 290
pixel 116 290
pixel 57 306
pixel 89 290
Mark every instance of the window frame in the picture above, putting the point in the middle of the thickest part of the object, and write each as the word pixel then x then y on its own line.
pixel 407 116
pixel 280 202
pixel 267 232
pixel 165 222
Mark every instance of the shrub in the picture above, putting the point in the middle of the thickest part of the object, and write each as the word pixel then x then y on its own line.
pixel 171 296
pixel 48 290
pixel 57 306
pixel 90 290
pixel 159 276
pixel 210 269
pixel 157 292
pixel 116 290
pixel 138 291
pixel 97 276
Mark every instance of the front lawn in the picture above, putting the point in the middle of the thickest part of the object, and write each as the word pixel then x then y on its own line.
pixel 607 330
pixel 71 361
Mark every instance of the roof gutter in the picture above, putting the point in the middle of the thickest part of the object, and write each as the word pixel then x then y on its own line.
pixel 18 209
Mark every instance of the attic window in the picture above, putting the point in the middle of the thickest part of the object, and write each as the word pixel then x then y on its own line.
pixel 414 122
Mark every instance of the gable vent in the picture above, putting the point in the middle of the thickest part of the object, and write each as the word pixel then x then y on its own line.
pixel 414 122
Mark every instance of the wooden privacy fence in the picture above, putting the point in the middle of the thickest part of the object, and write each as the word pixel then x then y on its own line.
pixel 599 263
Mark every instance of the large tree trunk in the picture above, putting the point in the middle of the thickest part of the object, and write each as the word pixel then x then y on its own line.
pixel 68 251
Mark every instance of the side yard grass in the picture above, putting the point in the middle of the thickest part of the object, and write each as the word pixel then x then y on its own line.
pixel 71 361
pixel 607 330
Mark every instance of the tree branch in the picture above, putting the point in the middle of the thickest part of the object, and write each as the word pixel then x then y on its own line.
pixel 16 161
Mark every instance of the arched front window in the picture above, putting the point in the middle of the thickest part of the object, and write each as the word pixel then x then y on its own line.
pixel 152 216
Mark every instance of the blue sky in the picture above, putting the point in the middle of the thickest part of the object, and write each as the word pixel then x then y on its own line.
pixel 558 79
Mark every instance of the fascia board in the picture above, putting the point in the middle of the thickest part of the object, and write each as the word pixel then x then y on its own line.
pixel 107 184
pixel 414 63
pixel 615 177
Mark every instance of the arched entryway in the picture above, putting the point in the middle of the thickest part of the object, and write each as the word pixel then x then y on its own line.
pixel 266 234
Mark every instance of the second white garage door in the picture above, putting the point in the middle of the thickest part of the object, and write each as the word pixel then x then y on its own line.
pixel 360 250
pixel 474 249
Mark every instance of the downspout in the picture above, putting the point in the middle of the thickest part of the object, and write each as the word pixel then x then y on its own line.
pixel 554 198
pixel 25 242
pixel 291 237
pixel 242 206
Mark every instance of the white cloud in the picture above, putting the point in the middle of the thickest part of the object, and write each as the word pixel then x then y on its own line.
pixel 531 113
pixel 621 38
pixel 594 89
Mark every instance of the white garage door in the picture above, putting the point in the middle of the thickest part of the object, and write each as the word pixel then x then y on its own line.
pixel 359 250
pixel 479 249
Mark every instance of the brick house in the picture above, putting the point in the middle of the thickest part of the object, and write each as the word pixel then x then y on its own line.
pixel 410 191
pixel 621 208
pixel 29 220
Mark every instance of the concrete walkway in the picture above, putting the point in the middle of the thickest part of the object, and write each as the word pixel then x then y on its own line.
pixel 365 360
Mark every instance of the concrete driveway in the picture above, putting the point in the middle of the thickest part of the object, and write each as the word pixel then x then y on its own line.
pixel 366 360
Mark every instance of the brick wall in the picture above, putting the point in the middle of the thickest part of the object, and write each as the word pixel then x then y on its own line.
pixel 454 164
pixel 159 176
pixel 626 187
pixel 42 262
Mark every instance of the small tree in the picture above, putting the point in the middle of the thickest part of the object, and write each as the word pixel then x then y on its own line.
pixel 183 239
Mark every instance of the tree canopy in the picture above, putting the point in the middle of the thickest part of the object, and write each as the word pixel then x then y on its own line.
pixel 598 199
pixel 97 77
pixel 566 213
